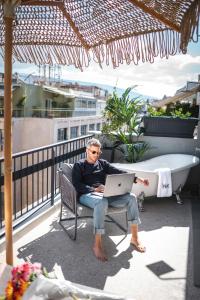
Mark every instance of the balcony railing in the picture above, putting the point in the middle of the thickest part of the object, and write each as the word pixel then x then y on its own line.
pixel 39 112
pixel 35 178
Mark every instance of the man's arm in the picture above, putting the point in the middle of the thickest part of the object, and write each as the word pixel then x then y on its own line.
pixel 110 169
pixel 77 181
pixel 113 170
pixel 141 181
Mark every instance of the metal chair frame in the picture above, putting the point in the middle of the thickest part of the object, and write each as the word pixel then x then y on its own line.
pixel 69 200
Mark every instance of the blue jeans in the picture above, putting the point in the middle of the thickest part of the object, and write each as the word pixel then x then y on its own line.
pixel 100 205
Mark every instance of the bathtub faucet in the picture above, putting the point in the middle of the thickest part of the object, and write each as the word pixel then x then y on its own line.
pixel 140 199
pixel 177 194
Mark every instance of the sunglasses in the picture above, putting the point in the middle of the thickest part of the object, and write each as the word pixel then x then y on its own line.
pixel 95 152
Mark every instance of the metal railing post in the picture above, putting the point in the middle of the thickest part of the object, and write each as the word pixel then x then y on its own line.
pixel 52 176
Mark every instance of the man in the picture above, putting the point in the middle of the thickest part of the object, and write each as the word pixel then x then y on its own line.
pixel 88 176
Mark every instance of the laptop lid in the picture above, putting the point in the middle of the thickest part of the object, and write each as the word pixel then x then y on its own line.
pixel 118 184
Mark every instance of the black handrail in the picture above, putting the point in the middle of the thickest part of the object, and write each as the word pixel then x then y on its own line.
pixel 35 180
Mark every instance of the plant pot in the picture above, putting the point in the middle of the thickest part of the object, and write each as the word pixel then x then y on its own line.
pixel 132 152
pixel 169 126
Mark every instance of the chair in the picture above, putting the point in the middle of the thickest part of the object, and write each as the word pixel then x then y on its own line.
pixel 69 200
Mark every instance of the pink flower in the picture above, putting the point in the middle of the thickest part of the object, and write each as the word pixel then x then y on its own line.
pixel 26 271
pixel 16 271
pixel 37 268
pixel 22 276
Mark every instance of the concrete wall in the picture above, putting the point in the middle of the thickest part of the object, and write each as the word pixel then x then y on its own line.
pixel 31 133
pixel 159 145
pixel 167 145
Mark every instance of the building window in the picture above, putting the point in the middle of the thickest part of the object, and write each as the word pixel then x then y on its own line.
pixel 74 132
pixel 91 126
pixel 98 126
pixel 83 129
pixel 80 103
pixel 91 104
pixel 62 134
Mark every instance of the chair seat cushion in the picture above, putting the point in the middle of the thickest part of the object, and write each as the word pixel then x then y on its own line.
pixel 116 210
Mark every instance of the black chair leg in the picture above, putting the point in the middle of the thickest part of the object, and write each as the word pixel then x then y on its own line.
pixel 126 221
pixel 74 235
pixel 111 219
pixel 76 217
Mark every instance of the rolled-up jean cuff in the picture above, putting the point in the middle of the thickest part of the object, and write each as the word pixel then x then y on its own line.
pixel 138 222
pixel 99 231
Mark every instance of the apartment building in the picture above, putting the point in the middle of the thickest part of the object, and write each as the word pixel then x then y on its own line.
pixel 46 114
pixel 35 132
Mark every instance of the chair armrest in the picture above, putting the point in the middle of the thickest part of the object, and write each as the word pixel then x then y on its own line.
pixel 68 193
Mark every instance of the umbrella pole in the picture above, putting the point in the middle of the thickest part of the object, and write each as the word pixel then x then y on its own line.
pixel 8 206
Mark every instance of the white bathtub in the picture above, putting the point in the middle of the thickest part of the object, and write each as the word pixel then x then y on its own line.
pixel 180 165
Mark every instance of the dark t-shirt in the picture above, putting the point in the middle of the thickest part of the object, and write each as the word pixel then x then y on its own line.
pixel 86 176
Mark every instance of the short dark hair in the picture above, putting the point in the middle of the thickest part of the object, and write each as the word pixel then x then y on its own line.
pixel 93 142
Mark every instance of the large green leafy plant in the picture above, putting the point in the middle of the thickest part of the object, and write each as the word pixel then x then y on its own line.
pixel 176 110
pixel 123 118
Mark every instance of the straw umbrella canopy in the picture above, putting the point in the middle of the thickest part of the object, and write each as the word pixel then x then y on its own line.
pixel 72 32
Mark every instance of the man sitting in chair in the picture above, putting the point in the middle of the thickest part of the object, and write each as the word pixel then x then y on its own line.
pixel 88 176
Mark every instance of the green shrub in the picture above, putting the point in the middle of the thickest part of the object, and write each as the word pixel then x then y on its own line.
pixel 123 120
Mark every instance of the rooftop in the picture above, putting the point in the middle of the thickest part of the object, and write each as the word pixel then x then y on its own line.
pixel 164 272
pixel 168 270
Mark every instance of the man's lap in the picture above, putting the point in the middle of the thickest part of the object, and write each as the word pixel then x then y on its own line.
pixel 92 200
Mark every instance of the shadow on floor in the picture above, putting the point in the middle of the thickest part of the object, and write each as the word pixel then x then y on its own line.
pixel 77 261
pixel 76 258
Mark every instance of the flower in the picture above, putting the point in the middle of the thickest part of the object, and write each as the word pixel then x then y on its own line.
pixel 22 276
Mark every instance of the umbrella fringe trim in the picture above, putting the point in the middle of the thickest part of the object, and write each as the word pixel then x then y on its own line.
pixel 132 49
pixel 52 54
pixel 138 48
pixel 190 23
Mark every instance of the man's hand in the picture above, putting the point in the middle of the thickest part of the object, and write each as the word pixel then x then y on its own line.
pixel 143 181
pixel 100 188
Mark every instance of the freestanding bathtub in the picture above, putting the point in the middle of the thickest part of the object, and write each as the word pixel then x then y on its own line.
pixel 179 164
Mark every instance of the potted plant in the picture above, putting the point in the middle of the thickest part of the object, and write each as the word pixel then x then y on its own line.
pixel 123 118
pixel 173 121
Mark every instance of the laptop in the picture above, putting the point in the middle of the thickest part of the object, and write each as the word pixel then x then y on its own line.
pixel 117 184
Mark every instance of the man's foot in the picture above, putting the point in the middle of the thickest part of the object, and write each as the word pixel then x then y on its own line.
pixel 99 253
pixel 138 246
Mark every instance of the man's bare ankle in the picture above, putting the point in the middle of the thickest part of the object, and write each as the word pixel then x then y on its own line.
pixel 98 248
pixel 138 245
pixel 99 252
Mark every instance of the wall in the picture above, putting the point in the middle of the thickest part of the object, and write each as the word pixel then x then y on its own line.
pixel 31 133
pixel 166 145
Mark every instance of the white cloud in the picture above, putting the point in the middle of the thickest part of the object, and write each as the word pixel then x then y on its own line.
pixel 163 77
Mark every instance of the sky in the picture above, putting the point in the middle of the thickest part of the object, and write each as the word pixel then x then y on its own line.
pixel 163 77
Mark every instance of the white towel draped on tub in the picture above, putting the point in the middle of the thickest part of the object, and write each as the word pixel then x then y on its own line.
pixel 164 182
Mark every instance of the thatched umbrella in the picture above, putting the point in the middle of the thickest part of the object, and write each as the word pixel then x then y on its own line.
pixel 73 31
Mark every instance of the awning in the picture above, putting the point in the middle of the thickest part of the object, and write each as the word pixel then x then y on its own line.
pixel 57 91
pixel 179 97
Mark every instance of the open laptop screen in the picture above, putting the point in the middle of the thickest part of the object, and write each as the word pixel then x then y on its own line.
pixel 117 184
